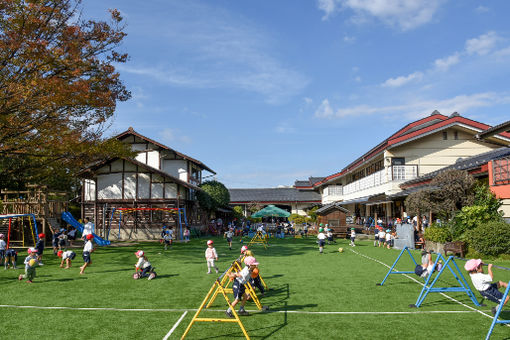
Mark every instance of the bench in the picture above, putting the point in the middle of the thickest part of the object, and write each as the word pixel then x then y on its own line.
pixel 457 247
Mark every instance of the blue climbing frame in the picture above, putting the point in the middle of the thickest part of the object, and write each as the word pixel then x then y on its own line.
pixel 457 274
pixel 464 286
pixel 498 311
pixel 391 271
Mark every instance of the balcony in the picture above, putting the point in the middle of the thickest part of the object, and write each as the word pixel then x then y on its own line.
pixel 385 180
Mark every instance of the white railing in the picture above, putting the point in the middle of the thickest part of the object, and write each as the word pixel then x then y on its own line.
pixel 392 173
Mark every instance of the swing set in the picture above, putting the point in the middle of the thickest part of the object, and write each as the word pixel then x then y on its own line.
pixel 430 284
pixel 20 220
pixel 181 213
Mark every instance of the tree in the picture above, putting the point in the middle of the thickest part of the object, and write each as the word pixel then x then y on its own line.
pixel 453 191
pixel 213 195
pixel 58 89
pixel 418 202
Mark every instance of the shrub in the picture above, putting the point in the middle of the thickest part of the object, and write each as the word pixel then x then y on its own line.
pixel 436 233
pixel 491 239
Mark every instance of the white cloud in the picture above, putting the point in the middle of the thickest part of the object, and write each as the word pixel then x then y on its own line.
pixel 173 135
pixel 324 110
pixel 284 128
pixel 328 6
pixel 349 39
pixel 483 44
pixel 421 107
pixel 209 47
pixel 407 14
pixel 482 9
pixel 357 79
pixel 308 100
pixel 444 64
pixel 402 80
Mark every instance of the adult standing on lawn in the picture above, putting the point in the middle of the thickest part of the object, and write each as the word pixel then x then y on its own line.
pixel 88 228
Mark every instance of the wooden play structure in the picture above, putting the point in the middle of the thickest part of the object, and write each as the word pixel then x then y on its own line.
pixel 44 205
pixel 21 230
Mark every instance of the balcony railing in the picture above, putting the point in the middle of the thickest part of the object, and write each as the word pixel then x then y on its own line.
pixel 390 174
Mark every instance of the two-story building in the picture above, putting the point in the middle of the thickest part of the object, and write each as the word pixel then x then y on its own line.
pixel 369 187
pixel 158 177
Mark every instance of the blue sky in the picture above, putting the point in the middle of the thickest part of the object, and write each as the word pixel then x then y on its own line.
pixel 266 92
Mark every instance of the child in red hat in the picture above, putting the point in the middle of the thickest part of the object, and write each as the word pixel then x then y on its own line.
pixel 211 255
pixel 87 250
pixel 40 247
pixel 67 256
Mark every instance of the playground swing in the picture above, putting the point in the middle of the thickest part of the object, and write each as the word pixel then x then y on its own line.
pixel 259 238
pixel 498 312
pixel 20 219
pixel 430 287
pixel 215 289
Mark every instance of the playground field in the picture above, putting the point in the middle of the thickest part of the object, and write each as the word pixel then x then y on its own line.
pixel 311 296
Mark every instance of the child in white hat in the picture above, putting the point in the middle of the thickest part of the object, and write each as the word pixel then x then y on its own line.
pixel 211 255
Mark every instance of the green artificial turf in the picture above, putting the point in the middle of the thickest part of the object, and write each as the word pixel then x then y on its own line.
pixel 300 280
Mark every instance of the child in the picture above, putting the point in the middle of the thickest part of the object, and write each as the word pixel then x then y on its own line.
pixel 382 237
pixel 255 280
pixel 229 234
pixel 376 236
pixel 427 265
pixel 240 279
pixel 186 234
pixel 71 236
pixel 3 247
pixel 11 256
pixel 54 240
pixel 321 237
pixel 353 237
pixel 388 238
pixel 66 256
pixel 40 248
pixel 167 239
pixel 483 282
pixel 211 255
pixel 30 265
pixel 87 250
pixel 329 235
pixel 144 265
pixel 62 239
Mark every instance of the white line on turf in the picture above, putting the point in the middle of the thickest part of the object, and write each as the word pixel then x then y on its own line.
pixel 421 283
pixel 222 310
pixel 175 326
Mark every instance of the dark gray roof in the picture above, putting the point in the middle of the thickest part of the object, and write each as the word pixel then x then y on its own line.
pixel 503 127
pixel 309 182
pixel 331 206
pixel 422 126
pixel 465 164
pixel 273 195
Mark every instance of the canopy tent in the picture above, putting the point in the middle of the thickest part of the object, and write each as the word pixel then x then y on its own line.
pixel 271 211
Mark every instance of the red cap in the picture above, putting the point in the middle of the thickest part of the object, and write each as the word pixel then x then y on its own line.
pixel 210 242
pixel 89 236
pixel 59 254
pixel 41 235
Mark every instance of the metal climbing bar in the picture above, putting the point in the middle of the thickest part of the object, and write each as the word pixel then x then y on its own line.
pixel 498 312
pixel 391 271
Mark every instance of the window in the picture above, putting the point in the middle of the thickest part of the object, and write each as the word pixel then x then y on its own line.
pixel 398 161
pixel 445 135
pixel 455 135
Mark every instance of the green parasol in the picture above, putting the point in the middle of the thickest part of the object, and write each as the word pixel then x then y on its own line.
pixel 271 211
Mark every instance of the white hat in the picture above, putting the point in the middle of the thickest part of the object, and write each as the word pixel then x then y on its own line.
pixel 139 253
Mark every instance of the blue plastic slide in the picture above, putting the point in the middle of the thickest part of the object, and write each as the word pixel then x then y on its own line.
pixel 68 218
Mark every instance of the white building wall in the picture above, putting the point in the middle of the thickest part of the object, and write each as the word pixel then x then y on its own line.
pixel 176 168
pixel 143 185
pixel 109 186
pixel 89 188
